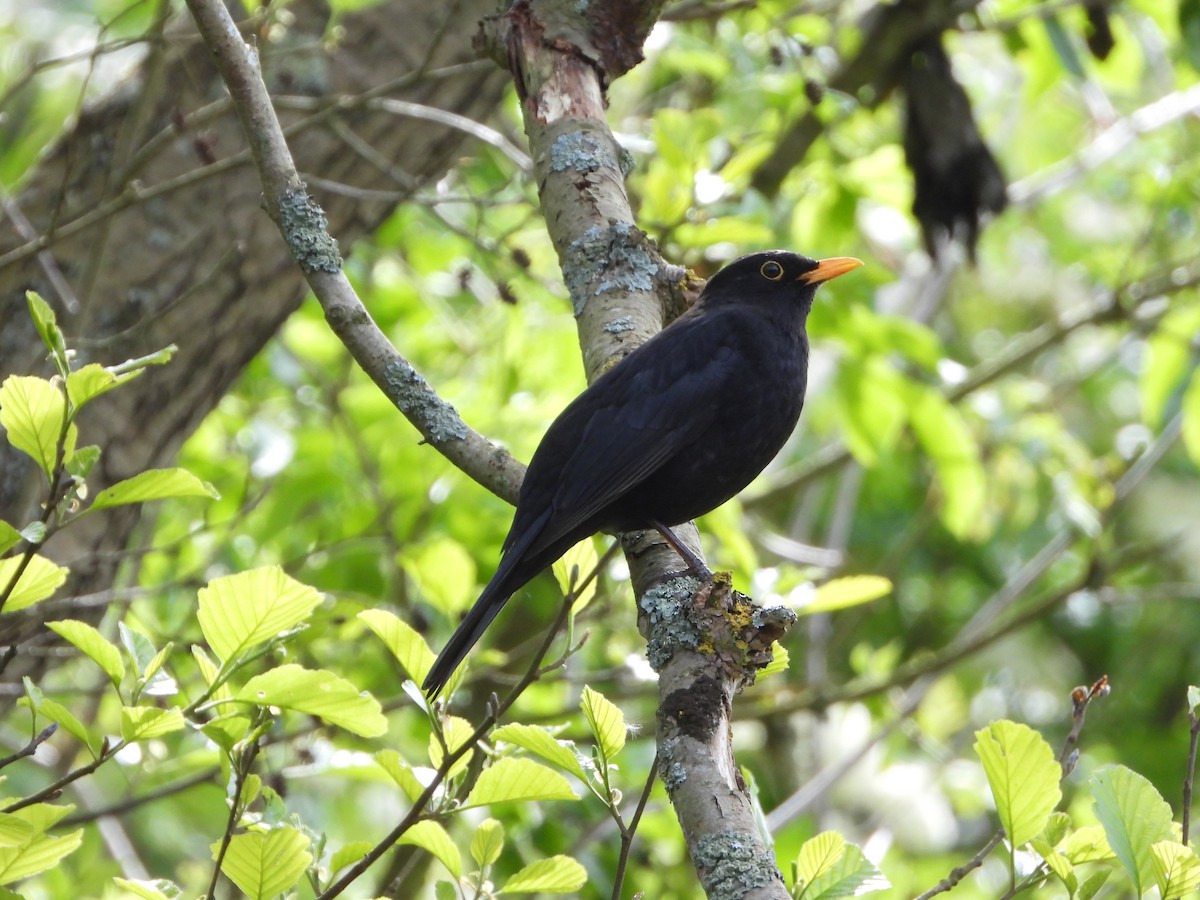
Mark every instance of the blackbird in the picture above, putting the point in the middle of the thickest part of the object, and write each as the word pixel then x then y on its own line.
pixel 669 433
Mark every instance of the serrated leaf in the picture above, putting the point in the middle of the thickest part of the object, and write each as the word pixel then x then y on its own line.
pixel 239 611
pixel 1134 816
pixel 851 875
pixel 158 889
pixel 348 855
pixel 431 836
pixel 402 773
pixel 40 580
pixel 139 723
pixel 540 741
pixel 487 842
pixel 1023 775
pixel 1057 863
pixel 840 593
pixel 263 865
pixel 518 779
pixel 818 855
pixel 94 645
pixel 32 412
pixel 1176 869
pixel 606 721
pixel 317 693
pixel 556 875
pixel 1087 844
pixel 15 831
pixel 92 380
pixel 154 484
pixel 581 559
pixel 55 712
pixel 402 640
pixel 1057 828
pixel 41 852
pixel 456 732
pixel 780 660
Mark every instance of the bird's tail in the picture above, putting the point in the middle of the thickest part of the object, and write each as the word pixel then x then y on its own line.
pixel 511 575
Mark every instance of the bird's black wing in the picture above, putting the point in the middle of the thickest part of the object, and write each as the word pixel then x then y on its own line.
pixel 629 424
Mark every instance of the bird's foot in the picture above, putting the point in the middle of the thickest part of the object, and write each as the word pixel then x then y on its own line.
pixel 695 565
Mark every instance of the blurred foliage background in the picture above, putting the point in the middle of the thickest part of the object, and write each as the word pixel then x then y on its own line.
pixel 973 434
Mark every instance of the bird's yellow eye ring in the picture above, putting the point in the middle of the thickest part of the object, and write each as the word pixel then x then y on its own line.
pixel 771 270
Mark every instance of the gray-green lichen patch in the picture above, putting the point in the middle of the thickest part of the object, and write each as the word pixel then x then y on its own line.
pixel 618 325
pixel 580 151
pixel 732 863
pixel 670 770
pixel 305 229
pixel 412 394
pixel 667 608
pixel 613 258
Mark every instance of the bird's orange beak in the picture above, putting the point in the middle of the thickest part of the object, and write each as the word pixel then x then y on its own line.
pixel 828 269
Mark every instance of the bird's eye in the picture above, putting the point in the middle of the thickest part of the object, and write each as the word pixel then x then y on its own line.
pixel 771 270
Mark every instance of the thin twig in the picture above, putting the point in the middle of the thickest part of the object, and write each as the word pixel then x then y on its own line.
pixel 30 748
pixel 167 790
pixel 628 831
pixel 54 789
pixel 241 773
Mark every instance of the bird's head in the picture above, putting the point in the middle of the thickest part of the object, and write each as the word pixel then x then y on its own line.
pixel 774 274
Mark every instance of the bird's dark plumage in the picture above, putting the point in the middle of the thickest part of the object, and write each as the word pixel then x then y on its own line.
pixel 671 432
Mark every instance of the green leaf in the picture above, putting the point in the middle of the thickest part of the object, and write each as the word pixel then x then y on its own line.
pixel 780 660
pixel 154 484
pixel 140 648
pixel 1176 868
pixel 1087 844
pixel 1092 884
pixel 1134 817
pixel 158 889
pixel 32 411
pixel 402 773
pixel 40 851
pixel 1058 826
pixel 518 779
pixel 348 855
pixel 139 723
pixel 540 741
pixel 1189 30
pixel 1167 358
pixel 1064 47
pixel 606 721
pixel 556 875
pixel 487 842
pixel 1023 775
pixel 456 732
pixel 850 875
pixel 93 644
pixel 82 460
pixel 40 579
pixel 91 381
pixel 818 855
pixel 15 831
pixel 431 836
pixel 46 324
pixel 264 865
pixel 1193 697
pixel 55 712
pixel 947 440
pixel 871 407
pixel 1191 418
pixel 1057 863
pixel 840 593
pixel 581 559
pixel 318 693
pixel 444 572
pixel 9 537
pixel 406 645
pixel 242 610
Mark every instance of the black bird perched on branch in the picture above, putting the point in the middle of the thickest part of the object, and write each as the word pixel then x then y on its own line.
pixel 671 432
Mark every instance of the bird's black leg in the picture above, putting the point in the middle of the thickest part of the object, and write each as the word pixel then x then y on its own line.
pixel 695 565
